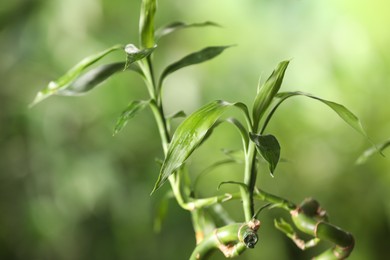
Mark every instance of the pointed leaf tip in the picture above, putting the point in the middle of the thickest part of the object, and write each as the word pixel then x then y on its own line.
pixel 54 87
pixel 268 91
pixel 343 112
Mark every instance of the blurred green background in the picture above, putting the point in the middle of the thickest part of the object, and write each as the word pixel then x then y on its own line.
pixel 69 190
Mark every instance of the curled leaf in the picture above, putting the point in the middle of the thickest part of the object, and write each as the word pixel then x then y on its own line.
pixel 134 54
pixel 269 148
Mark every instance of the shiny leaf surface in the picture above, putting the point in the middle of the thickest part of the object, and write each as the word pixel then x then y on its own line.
pixel 134 54
pixel 69 77
pixel 188 136
pixel 91 79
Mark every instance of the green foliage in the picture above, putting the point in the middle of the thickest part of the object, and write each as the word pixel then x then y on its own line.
pixel 379 148
pixel 269 148
pixel 178 145
pixel 193 58
pixel 175 26
pixel 131 110
pixel 267 92
pixel 341 110
pixel 134 54
pixel 146 23
pixel 188 136
pixel 69 78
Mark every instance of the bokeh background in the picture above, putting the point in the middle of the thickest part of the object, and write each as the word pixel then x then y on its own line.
pixel 69 190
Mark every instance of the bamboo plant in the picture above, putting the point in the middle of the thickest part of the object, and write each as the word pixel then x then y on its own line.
pixel 214 228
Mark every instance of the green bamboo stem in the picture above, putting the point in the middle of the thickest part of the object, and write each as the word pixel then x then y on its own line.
pixel 344 241
pixel 206 202
pixel 250 176
pixel 277 202
pixel 158 113
pixel 311 219
pixel 232 240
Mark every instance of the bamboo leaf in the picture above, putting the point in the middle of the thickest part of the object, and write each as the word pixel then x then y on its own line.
pixel 341 110
pixel 134 54
pixel 131 110
pixel 146 23
pixel 188 136
pixel 269 148
pixel 267 92
pixel 193 58
pixel 69 77
pixel 175 26
pixel 373 150
pixel 91 79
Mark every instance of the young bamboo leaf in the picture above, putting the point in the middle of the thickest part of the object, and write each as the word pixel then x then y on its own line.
pixel 134 54
pixel 341 110
pixel 373 150
pixel 269 148
pixel 188 136
pixel 146 23
pixel 170 28
pixel 69 77
pixel 267 92
pixel 193 58
pixel 131 110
